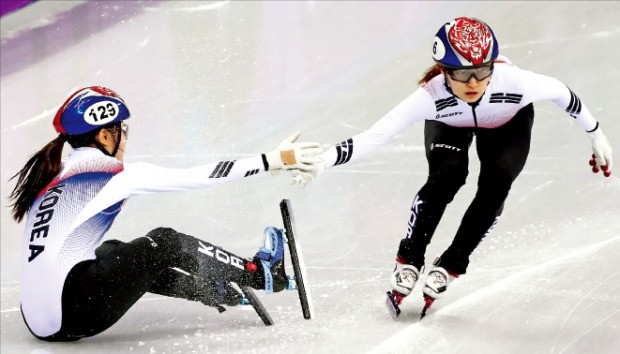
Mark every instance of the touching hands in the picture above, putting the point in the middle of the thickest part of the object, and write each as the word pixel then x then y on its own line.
pixel 601 157
pixel 303 178
pixel 290 155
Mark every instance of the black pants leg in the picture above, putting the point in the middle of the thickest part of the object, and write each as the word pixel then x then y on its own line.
pixel 503 152
pixel 447 155
pixel 99 292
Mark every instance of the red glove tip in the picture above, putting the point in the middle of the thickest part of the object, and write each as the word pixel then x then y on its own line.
pixel 594 169
pixel 592 162
pixel 607 173
pixel 604 168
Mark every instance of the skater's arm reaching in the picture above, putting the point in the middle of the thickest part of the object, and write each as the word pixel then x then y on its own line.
pixel 145 178
pixel 414 108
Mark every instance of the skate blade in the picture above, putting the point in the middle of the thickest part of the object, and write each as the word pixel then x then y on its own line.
pixel 428 302
pixel 297 260
pixel 392 305
pixel 261 311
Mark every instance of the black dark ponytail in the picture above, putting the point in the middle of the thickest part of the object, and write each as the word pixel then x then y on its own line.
pixel 36 174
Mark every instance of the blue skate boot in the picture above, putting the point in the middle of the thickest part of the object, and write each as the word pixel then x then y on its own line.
pixel 270 257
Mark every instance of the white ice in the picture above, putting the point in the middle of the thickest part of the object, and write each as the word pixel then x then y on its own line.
pixel 224 80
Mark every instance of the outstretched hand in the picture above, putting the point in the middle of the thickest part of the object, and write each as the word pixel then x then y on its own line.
pixel 294 155
pixel 601 157
pixel 303 178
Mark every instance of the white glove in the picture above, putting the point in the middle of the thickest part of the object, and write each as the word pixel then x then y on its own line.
pixel 291 155
pixel 303 178
pixel 601 157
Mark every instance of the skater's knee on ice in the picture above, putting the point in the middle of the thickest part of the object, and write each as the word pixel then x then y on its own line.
pixel 166 239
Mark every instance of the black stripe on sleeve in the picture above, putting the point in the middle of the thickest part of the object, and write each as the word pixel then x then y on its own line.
pixel 574 107
pixel 344 151
pixel 595 128
pixel 265 163
pixel 251 172
pixel 222 169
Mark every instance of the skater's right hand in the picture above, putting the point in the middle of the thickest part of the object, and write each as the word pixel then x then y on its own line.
pixel 291 155
pixel 303 178
pixel 601 157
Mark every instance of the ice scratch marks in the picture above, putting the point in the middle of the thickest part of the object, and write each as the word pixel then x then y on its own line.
pixel 478 296
pixel 612 313
pixel 535 190
pixel 597 288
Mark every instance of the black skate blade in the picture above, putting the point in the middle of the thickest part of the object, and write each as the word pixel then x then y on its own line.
pixel 423 313
pixel 428 302
pixel 297 260
pixel 392 305
pixel 261 311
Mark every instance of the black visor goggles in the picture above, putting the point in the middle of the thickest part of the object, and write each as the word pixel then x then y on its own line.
pixel 124 128
pixel 464 75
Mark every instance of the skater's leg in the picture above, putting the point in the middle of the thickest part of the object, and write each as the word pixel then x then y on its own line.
pixel 99 292
pixel 202 258
pixel 207 261
pixel 503 152
pixel 447 155
pixel 174 282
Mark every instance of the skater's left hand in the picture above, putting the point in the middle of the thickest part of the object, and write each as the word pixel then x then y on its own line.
pixel 601 157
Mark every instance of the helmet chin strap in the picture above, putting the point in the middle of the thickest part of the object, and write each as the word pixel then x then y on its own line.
pixel 117 139
pixel 447 86
pixel 117 144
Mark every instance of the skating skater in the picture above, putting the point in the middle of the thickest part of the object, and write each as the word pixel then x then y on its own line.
pixel 471 91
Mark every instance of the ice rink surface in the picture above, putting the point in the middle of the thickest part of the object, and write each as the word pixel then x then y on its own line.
pixel 222 80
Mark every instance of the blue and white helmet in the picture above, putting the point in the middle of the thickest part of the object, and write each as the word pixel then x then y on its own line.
pixel 88 109
pixel 465 42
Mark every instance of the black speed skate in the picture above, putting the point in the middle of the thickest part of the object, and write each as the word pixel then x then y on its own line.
pixel 269 268
pixel 271 275
pixel 271 258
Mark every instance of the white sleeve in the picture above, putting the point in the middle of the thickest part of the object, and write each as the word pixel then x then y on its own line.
pixel 414 108
pixel 146 178
pixel 540 87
